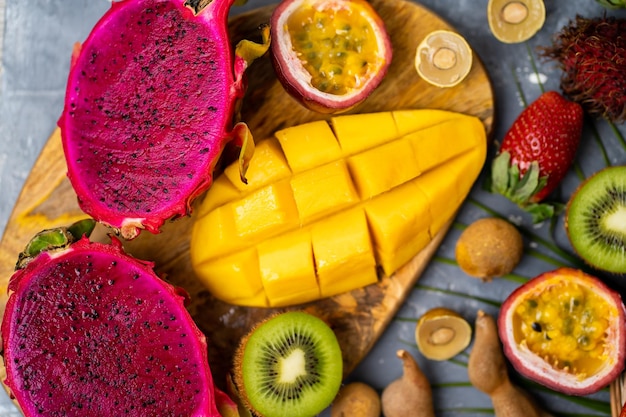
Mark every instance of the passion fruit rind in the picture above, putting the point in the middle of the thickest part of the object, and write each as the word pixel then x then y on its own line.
pixel 351 71
pixel 566 330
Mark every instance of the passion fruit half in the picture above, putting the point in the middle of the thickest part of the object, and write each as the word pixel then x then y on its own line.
pixel 565 329
pixel 329 54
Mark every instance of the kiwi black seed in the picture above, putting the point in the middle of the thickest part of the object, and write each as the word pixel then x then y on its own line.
pixel 596 220
pixel 289 365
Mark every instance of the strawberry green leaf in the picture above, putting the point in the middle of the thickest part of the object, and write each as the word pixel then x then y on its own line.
pixel 506 180
pixel 500 173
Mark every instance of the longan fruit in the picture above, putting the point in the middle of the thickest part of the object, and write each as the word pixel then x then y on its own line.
pixel 489 247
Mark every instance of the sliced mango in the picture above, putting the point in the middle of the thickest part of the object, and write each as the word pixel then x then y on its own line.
pixel 266 212
pixel 335 179
pixel 241 283
pixel 395 159
pixel 400 222
pixel 288 269
pixel 353 138
pixel 223 192
pixel 328 205
pixel 309 145
pixel 270 166
pixel 344 258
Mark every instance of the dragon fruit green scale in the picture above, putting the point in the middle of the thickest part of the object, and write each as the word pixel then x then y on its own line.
pixel 150 101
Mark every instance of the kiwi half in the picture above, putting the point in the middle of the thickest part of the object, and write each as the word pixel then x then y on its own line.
pixel 595 220
pixel 289 365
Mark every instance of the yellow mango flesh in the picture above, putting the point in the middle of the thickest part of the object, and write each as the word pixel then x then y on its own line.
pixel 328 205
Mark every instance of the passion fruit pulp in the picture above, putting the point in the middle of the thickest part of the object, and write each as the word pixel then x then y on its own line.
pixel 566 330
pixel 329 54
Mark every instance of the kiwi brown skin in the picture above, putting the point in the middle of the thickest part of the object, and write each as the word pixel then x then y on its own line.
pixel 328 372
pixel 588 240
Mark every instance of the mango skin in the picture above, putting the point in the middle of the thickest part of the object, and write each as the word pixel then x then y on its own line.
pixel 331 205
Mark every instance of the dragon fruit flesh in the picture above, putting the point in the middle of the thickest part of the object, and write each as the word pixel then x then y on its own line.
pixel 150 104
pixel 91 331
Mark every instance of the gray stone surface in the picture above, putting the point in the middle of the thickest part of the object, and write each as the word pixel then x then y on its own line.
pixel 35 52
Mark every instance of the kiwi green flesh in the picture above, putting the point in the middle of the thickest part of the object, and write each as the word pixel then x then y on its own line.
pixel 291 366
pixel 596 220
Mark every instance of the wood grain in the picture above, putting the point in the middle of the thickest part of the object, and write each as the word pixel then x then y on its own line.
pixel 358 317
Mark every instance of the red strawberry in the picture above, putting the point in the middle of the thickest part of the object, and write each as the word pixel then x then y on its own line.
pixel 537 152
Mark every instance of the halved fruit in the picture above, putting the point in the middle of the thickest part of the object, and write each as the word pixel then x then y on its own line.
pixel 290 364
pixel 514 21
pixel 443 58
pixel 329 54
pixel 565 329
pixel 328 204
pixel 595 220
pixel 442 333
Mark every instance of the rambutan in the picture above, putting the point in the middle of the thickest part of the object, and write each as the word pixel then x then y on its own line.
pixel 592 54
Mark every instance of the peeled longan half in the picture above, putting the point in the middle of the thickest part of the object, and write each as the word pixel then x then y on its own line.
pixel 442 333
pixel 488 248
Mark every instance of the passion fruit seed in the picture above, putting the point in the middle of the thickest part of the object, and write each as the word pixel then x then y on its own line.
pixel 337 47
pixel 566 323
pixel 514 12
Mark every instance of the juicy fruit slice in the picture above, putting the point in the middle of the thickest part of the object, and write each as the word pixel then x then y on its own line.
pixel 289 365
pixel 149 107
pixel 443 58
pixel 442 333
pixel 595 220
pixel 331 203
pixel 90 331
pixel 329 54
pixel 565 329
pixel 514 21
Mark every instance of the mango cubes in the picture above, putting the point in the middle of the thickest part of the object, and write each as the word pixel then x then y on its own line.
pixel 330 205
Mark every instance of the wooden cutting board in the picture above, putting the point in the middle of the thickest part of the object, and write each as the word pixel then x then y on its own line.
pixel 358 317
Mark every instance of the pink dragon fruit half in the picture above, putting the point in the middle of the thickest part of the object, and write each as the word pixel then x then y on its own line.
pixel 150 102
pixel 91 331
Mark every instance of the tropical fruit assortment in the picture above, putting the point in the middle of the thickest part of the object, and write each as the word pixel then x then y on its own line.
pixel 314 211
pixel 327 203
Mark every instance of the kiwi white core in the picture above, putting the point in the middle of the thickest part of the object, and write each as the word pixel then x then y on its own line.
pixel 616 221
pixel 293 366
